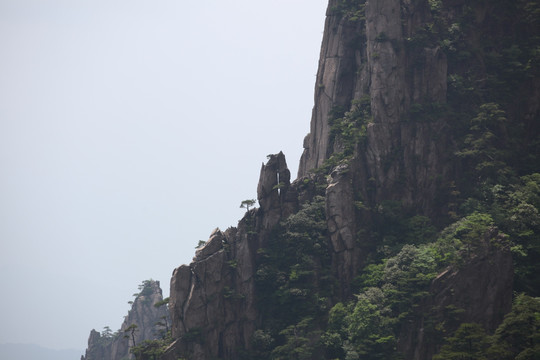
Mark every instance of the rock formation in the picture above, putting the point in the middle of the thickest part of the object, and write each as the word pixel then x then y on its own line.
pixel 384 68
pixel 400 84
pixel 370 58
pixel 213 302
pixel 143 314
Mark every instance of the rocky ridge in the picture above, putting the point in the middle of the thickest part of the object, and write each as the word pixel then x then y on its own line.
pixel 143 314
pixel 398 86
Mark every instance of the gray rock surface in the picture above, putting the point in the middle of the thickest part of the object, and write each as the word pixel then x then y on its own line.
pixel 401 159
pixel 336 85
pixel 370 58
pixel 143 314
pixel 213 300
pixel 341 220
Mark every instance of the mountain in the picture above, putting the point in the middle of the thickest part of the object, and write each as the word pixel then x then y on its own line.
pixel 35 352
pixel 147 319
pixel 413 228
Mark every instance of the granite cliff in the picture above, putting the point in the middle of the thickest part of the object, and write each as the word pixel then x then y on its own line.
pixel 415 214
pixel 395 154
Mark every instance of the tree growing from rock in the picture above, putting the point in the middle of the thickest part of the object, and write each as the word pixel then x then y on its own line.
pixel 246 204
pixel 163 323
pixel 130 332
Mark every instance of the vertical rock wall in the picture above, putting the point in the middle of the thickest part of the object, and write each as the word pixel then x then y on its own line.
pixel 342 226
pixel 336 85
pixel 212 298
pixel 367 56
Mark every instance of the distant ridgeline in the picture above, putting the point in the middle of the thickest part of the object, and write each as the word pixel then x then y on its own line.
pixel 147 320
pixel 413 229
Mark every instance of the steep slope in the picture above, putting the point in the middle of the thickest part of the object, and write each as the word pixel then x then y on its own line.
pixel 416 210
pixel 142 319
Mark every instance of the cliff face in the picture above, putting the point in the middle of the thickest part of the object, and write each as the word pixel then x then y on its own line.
pixel 399 84
pixel 384 71
pixel 369 58
pixel 216 306
pixel 142 317
pixel 213 300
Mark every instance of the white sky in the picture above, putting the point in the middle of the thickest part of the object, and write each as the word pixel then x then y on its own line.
pixel 129 130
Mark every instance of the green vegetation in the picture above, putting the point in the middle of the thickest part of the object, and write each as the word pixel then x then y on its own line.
pixel 469 342
pixel 129 333
pixel 246 204
pixel 163 324
pixel 200 244
pixel 518 336
pixel 294 285
pixel 107 333
pixel 297 289
pixel 494 201
pixel 145 288
pixel 347 130
pixel 154 349
pixel 390 291
pixel 352 10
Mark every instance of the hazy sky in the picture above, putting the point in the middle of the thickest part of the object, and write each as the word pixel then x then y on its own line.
pixel 129 130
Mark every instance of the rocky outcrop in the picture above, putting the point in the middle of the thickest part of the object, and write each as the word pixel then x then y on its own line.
pixel 143 315
pixel 213 300
pixel 100 348
pixel 341 220
pixel 277 199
